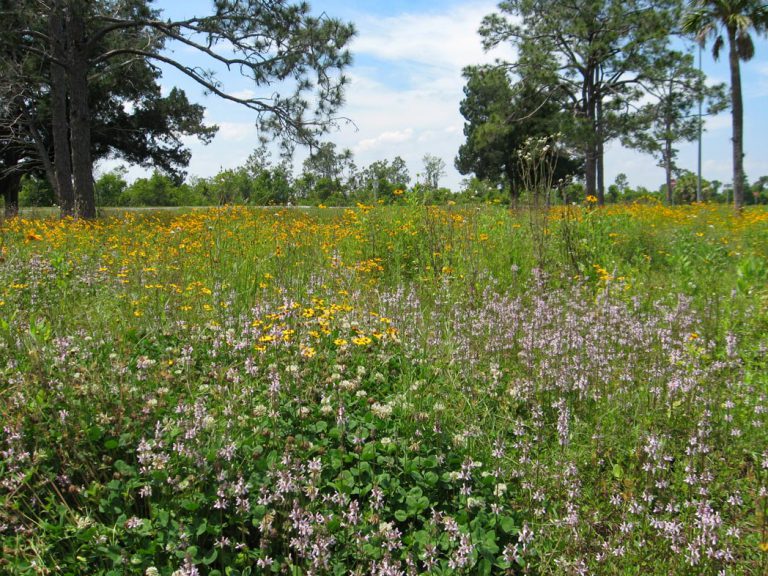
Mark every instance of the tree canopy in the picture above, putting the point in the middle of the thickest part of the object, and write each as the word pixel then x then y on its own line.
pixel 77 54
pixel 730 20
pixel 591 54
pixel 499 118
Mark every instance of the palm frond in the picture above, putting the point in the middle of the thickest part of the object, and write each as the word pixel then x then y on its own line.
pixel 717 46
pixel 745 47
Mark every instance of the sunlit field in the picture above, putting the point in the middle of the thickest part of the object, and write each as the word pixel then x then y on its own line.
pixel 385 390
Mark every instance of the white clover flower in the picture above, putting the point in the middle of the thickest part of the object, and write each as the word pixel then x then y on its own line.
pixel 83 522
pixel 459 440
pixel 348 385
pixel 475 502
pixel 382 410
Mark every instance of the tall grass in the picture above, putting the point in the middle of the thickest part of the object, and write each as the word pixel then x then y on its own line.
pixel 385 391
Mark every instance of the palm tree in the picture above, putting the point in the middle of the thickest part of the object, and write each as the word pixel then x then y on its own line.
pixel 736 18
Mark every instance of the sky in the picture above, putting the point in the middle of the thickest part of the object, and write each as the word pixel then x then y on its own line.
pixel 406 87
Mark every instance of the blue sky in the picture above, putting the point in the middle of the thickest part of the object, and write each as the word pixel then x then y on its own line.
pixel 406 87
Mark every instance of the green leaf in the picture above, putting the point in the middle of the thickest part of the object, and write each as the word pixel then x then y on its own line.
pixel 431 479
pixel 489 545
pixel 163 517
pixel 94 433
pixel 124 468
pixel 507 524
pixel 211 558
pixel 369 452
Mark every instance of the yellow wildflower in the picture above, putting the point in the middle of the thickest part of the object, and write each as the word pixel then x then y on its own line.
pixel 361 341
pixel 308 351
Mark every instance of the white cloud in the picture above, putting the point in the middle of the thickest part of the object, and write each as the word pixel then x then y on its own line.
pixel 408 105
pixel 243 94
pixel 759 87
pixel 390 137
pixel 437 40
pixel 406 87
pixel 719 122
pixel 235 131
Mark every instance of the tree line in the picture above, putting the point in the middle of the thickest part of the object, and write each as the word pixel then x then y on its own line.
pixel 328 176
pixel 331 177
pixel 79 82
pixel 595 71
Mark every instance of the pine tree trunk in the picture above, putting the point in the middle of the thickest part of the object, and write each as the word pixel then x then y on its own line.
pixel 590 169
pixel 590 152
pixel 600 152
pixel 668 168
pixel 10 183
pixel 62 155
pixel 43 153
pixel 737 114
pixel 79 115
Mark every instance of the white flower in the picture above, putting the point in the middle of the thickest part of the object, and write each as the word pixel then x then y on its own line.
pixel 348 385
pixel 382 410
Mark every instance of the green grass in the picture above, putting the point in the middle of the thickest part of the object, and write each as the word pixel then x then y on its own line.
pixel 385 390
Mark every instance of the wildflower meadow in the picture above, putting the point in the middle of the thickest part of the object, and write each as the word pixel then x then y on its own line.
pixel 385 390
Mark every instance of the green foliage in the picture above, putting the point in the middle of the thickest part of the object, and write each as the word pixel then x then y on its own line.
pixel 730 20
pixel 676 87
pixel 381 178
pixel 478 190
pixel 110 187
pixel 36 192
pixel 160 190
pixel 343 391
pixel 499 118
pixel 434 169
pixel 593 55
pixel 759 191
pixel 111 51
